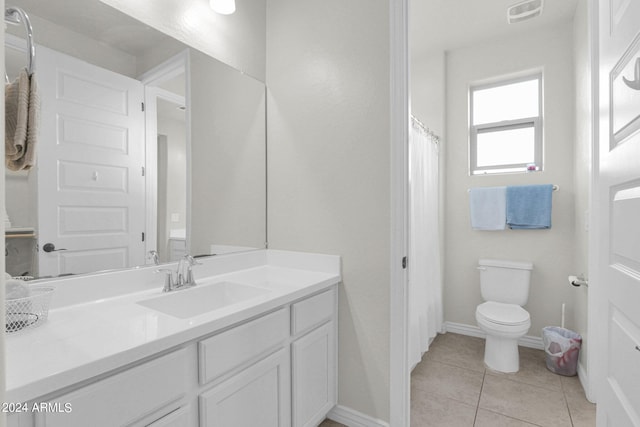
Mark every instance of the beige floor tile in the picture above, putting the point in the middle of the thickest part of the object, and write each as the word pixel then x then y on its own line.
pixel 448 381
pixel 486 418
pixel 583 412
pixel 571 385
pixel 431 410
pixel 533 370
pixel 524 402
pixel 458 350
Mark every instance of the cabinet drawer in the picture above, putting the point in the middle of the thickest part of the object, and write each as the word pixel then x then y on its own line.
pixel 312 311
pixel 124 397
pixel 231 349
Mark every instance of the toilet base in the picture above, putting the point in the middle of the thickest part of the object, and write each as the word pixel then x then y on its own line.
pixel 501 354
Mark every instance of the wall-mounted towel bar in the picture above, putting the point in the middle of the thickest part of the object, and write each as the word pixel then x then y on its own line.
pixel 19 233
pixel 555 188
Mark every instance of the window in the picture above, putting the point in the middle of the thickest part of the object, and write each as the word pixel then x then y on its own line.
pixel 505 134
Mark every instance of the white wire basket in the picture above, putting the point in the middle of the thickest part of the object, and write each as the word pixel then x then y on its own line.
pixel 28 312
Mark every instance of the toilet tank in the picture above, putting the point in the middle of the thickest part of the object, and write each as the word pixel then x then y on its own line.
pixel 505 281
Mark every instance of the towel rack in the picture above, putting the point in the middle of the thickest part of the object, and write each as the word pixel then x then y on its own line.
pixel 15 15
pixel 554 188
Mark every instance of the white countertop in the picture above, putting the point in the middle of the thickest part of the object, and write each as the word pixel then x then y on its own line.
pixel 91 337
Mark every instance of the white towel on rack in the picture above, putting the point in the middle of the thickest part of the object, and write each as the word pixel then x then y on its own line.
pixel 22 117
pixel 488 208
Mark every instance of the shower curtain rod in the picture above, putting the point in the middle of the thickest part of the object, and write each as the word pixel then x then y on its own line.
pixel 425 129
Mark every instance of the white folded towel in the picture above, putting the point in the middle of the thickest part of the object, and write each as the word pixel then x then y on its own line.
pixel 22 118
pixel 488 208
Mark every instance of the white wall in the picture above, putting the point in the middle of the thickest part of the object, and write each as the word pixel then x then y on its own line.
pixel 172 180
pixel 551 251
pixel 582 165
pixel 428 81
pixel 237 40
pixel 20 205
pixel 176 169
pixel 329 169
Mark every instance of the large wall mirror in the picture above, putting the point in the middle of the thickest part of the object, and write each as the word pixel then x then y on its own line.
pixel 145 145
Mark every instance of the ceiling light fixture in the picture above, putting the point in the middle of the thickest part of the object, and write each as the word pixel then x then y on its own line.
pixel 524 10
pixel 223 7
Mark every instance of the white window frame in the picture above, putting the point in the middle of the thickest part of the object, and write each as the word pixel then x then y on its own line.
pixel 533 122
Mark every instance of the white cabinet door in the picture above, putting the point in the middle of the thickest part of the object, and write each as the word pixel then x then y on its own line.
pixel 258 396
pixel 314 376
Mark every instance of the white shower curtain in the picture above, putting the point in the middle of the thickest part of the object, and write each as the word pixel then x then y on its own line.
pixel 425 283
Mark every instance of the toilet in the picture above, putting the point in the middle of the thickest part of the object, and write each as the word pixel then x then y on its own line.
pixel 504 286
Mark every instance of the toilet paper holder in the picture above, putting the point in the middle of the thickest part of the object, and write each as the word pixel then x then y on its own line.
pixel 578 281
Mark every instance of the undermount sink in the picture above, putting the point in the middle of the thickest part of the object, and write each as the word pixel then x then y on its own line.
pixel 202 299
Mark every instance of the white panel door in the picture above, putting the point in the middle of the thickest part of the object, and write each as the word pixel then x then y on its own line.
pixel 90 159
pixel 618 213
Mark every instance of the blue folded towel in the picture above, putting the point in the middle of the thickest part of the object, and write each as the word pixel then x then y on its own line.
pixel 529 206
pixel 487 208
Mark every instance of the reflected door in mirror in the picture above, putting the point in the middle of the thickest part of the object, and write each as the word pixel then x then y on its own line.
pixel 91 153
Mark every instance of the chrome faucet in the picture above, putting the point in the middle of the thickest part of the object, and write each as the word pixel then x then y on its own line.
pixel 184 275
pixel 154 256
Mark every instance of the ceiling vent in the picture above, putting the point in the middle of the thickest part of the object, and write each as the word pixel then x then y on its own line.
pixel 524 10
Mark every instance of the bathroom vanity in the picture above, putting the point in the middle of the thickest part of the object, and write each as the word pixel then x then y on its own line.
pixel 253 344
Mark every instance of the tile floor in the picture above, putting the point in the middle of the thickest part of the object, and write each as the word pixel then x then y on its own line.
pixel 451 387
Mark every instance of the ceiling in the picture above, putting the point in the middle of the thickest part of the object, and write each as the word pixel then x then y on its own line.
pixel 437 25
pixel 95 20
pixel 434 24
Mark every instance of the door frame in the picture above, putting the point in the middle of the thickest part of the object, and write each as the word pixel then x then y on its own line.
pixel 594 305
pixel 3 192
pixel 400 97
pixel 399 370
pixel 174 66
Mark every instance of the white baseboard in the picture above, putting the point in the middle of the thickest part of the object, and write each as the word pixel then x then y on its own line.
pixel 353 418
pixel 584 380
pixel 474 331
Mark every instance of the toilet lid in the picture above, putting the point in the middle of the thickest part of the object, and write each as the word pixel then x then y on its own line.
pixel 503 314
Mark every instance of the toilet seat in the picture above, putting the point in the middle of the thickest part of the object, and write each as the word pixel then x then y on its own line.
pixel 502 314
